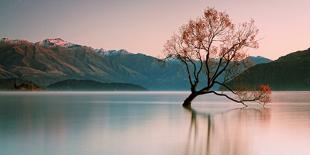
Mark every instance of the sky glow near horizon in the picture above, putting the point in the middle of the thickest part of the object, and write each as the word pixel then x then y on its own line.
pixel 145 25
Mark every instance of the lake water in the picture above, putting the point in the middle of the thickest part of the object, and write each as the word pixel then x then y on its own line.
pixel 151 123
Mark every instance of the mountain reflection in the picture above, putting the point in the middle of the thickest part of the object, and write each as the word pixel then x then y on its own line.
pixel 225 133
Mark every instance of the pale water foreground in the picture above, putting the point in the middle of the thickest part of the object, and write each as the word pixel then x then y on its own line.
pixel 152 123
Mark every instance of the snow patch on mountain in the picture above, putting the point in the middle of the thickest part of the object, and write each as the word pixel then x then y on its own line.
pixel 55 42
pixel 104 52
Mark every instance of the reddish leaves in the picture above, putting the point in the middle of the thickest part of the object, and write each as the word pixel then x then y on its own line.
pixel 265 94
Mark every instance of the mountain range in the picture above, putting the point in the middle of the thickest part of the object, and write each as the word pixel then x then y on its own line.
pixel 54 60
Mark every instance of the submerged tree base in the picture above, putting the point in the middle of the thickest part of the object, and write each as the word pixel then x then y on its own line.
pixel 188 101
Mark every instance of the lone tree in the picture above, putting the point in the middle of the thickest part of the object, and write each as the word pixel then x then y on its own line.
pixel 213 47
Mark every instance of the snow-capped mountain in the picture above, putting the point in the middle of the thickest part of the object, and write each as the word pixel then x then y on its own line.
pixel 101 51
pixel 55 42
pixel 104 52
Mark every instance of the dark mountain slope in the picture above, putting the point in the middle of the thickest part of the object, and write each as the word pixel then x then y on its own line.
pixel 290 72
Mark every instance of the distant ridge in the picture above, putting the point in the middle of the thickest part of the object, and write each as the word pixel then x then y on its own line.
pixel 89 85
pixel 290 72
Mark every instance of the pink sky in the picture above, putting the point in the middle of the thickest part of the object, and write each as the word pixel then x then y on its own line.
pixel 145 25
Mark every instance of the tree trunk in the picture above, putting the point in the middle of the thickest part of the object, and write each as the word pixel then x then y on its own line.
pixel 188 101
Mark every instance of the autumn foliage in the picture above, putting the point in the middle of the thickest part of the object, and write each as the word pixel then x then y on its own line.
pixel 265 94
pixel 213 46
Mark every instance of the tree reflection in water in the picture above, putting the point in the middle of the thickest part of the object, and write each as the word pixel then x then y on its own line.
pixel 226 133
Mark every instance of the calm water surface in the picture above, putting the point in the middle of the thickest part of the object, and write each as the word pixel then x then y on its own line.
pixel 152 123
